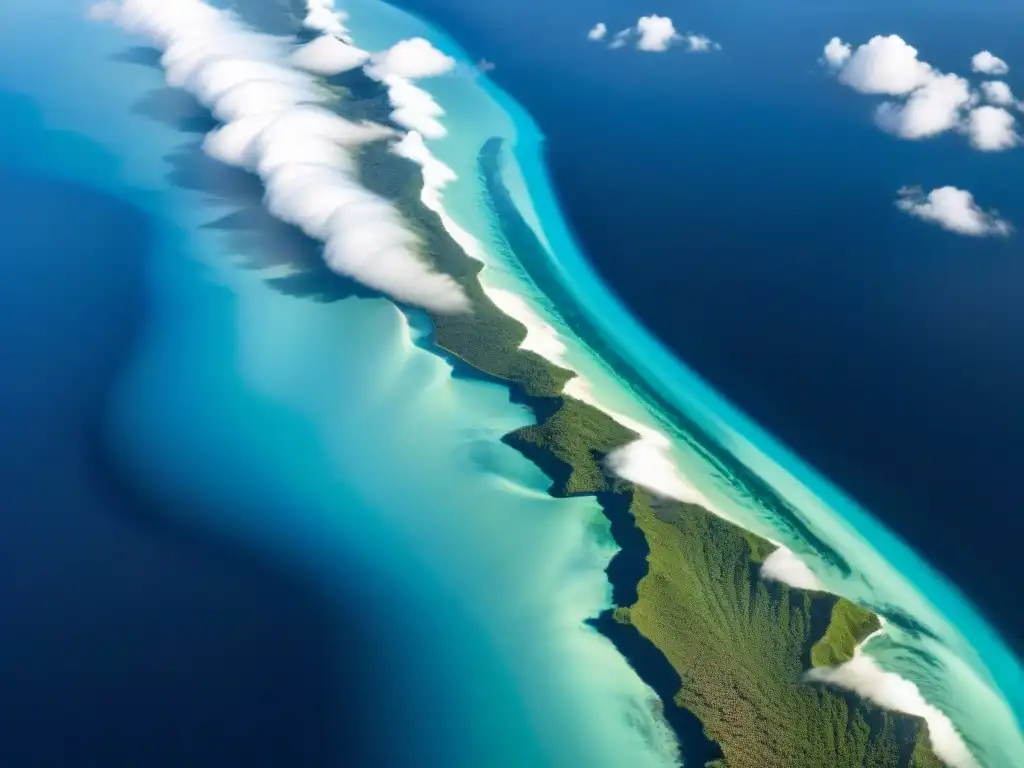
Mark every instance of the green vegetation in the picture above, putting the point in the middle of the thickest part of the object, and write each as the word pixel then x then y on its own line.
pixel 739 644
pixel 849 626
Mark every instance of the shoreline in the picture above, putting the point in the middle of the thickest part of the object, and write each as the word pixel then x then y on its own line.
pixel 569 429
pixel 570 442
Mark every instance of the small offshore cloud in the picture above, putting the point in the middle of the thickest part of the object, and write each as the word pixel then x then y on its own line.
pixel 412 58
pixel 998 92
pixel 621 38
pixel 701 44
pixel 837 52
pixel 327 55
pixel 931 102
pixel 654 34
pixel 275 124
pixel 485 66
pixel 952 209
pixel 992 129
pixel 987 64
pixel 784 566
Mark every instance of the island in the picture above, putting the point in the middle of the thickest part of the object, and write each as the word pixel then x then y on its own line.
pixel 725 649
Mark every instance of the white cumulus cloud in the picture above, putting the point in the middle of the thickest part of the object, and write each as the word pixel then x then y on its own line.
pixel 783 565
pixel 992 129
pixel 837 52
pixel 884 65
pixel 933 108
pixel 700 44
pixel 321 16
pixel 412 58
pixel 997 92
pixel 275 125
pixel 930 102
pixel 414 108
pixel 396 68
pixel 327 55
pixel 988 64
pixel 952 209
pixel 656 33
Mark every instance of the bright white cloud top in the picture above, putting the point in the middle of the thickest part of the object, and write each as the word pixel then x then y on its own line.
pixel 327 55
pixel 997 92
pixel 321 16
pixel 411 58
pixel 883 65
pixel 928 102
pixel 992 129
pixel 988 64
pixel 274 123
pixel 952 209
pixel 396 68
pixel 654 34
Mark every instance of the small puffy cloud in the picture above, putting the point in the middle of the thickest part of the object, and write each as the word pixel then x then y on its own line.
pixel 621 38
pixel 931 109
pixel 656 33
pixel 837 52
pixel 992 129
pixel 884 64
pixel 952 209
pixel 327 55
pixel 700 44
pixel 997 92
pixel 988 64
pixel 782 565
pixel 485 66
pixel 412 58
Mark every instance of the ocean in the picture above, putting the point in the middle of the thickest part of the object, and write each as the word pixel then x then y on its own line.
pixel 257 438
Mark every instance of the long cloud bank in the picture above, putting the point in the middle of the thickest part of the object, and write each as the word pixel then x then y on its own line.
pixel 276 124
pixel 929 102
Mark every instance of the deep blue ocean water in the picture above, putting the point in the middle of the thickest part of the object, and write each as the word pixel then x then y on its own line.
pixel 741 204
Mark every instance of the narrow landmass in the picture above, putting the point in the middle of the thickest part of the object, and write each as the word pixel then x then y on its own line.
pixel 738 645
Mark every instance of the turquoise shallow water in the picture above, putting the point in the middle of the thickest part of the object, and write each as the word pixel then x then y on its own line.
pixel 320 434
pixel 325 436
